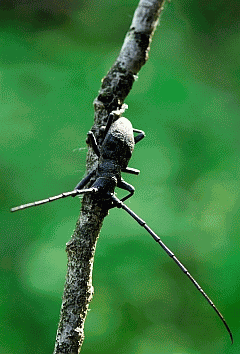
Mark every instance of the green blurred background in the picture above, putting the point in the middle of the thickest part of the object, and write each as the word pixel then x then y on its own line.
pixel 53 57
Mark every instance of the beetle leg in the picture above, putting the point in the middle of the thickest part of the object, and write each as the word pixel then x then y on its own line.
pixel 93 143
pixel 132 171
pixel 109 123
pixel 140 135
pixel 85 180
pixel 127 187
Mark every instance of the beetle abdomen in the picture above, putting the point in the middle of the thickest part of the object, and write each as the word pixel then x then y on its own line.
pixel 118 144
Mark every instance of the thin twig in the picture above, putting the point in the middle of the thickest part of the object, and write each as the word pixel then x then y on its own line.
pixel 80 249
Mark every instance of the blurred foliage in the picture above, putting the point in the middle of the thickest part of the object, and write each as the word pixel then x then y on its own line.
pixel 187 101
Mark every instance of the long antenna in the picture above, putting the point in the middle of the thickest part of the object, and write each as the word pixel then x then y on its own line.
pixel 56 197
pixel 141 222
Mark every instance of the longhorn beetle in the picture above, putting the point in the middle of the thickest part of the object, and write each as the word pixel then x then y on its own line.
pixel 113 157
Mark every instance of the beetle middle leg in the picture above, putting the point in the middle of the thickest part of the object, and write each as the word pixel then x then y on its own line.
pixel 85 180
pixel 127 187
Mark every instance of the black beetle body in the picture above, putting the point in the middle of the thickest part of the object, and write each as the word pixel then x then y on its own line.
pixel 114 155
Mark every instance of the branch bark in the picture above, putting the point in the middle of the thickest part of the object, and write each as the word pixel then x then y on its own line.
pixel 116 85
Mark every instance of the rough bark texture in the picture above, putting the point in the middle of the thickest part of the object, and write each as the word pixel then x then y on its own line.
pixel 116 85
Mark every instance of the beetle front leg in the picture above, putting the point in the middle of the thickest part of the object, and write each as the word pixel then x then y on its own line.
pixel 109 123
pixel 93 143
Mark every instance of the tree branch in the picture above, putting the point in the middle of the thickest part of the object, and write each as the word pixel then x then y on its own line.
pixel 116 85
